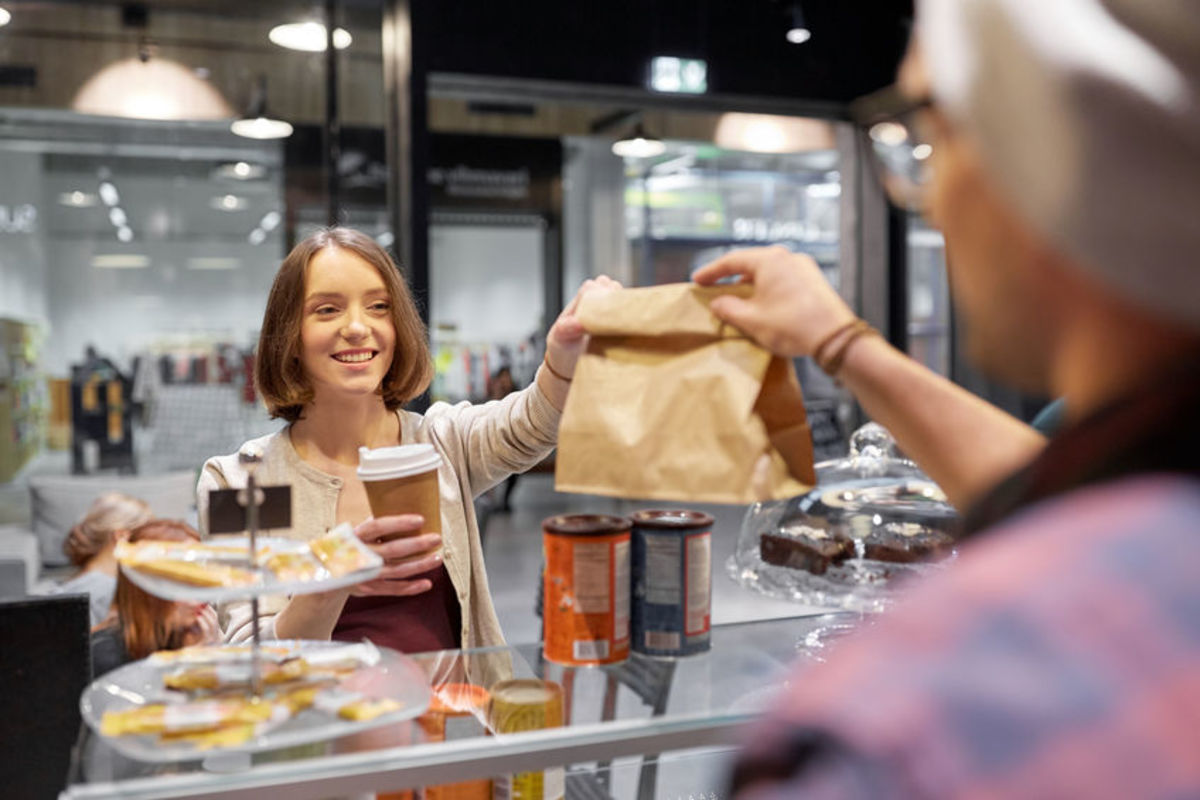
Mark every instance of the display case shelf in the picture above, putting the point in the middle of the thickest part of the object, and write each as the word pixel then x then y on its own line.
pixel 640 707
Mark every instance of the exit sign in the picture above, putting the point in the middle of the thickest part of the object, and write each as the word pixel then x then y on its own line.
pixel 678 75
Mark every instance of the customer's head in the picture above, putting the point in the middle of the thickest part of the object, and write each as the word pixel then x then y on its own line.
pixel 339 298
pixel 150 623
pixel 501 383
pixel 110 516
pixel 1066 165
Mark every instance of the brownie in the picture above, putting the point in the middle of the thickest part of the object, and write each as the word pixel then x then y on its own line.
pixel 906 542
pixel 811 548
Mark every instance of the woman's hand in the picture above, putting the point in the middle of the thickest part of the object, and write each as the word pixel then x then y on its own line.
pixel 208 628
pixel 405 553
pixel 566 339
pixel 793 308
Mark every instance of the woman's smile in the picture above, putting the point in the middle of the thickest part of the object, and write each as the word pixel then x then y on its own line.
pixel 355 356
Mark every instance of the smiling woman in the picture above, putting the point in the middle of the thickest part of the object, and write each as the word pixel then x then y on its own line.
pixel 341 350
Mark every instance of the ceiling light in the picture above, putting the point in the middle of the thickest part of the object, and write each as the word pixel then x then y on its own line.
pixel 639 144
pixel 214 262
pixel 77 199
pixel 108 193
pixel 255 124
pixel 124 234
pixel 240 171
pixel 257 236
pixel 121 261
pixel 892 134
pixel 154 88
pixel 270 221
pixel 769 133
pixel 798 33
pixel 4 17
pixel 922 151
pixel 308 36
pixel 261 128
pixel 228 202
pixel 116 215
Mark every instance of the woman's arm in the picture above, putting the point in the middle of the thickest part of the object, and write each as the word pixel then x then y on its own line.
pixel 965 444
pixel 511 435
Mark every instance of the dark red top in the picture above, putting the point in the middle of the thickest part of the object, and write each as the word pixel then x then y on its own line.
pixel 428 621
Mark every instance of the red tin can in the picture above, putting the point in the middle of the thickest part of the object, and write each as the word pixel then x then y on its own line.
pixel 586 588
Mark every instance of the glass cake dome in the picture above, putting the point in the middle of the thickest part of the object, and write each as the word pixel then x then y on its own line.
pixel 872 522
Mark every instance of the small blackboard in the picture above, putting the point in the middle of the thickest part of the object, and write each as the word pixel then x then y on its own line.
pixel 227 512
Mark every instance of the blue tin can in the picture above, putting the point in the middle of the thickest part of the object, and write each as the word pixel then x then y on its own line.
pixel 672 582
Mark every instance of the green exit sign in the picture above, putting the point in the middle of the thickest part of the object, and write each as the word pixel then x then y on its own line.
pixel 678 75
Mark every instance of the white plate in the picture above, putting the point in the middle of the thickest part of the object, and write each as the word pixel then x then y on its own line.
pixel 267 584
pixel 140 683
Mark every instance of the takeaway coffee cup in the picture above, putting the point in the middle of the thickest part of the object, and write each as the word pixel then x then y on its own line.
pixel 402 480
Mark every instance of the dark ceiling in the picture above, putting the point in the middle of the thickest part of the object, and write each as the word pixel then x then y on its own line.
pixel 854 49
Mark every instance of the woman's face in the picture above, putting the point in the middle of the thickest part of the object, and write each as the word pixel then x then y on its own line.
pixel 346 334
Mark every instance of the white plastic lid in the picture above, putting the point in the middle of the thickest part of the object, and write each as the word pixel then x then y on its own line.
pixel 401 461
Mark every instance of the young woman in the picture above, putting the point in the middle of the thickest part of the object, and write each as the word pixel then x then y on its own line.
pixel 140 623
pixel 90 546
pixel 341 349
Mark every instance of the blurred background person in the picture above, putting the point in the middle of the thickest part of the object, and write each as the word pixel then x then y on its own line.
pixel 90 546
pixel 140 623
pixel 1060 656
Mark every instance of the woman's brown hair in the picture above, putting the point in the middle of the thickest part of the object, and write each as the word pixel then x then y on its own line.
pixel 278 371
pixel 146 620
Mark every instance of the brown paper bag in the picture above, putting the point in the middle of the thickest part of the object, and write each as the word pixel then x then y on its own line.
pixel 669 403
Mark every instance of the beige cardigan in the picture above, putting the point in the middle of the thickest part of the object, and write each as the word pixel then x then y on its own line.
pixel 480 445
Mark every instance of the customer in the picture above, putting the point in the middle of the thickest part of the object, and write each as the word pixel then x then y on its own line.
pixel 90 546
pixel 341 350
pixel 141 623
pixel 1060 655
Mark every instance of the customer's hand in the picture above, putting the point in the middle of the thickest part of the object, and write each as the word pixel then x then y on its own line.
pixel 793 308
pixel 405 554
pixel 565 342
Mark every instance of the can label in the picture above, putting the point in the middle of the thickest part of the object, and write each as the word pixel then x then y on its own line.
pixel 586 608
pixel 548 784
pixel 697 573
pixel 672 597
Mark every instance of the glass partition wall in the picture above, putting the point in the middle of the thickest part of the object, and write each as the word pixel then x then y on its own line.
pixel 140 233
pixel 144 226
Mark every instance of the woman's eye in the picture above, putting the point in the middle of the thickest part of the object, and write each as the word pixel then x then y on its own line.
pixel 326 310
pixel 380 306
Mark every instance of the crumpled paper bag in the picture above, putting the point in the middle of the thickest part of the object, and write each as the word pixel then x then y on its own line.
pixel 669 403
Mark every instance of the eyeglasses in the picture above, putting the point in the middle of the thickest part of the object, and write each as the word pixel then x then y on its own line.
pixel 901 150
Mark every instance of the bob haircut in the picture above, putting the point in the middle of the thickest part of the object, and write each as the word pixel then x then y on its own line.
pixel 278 372
pixel 145 619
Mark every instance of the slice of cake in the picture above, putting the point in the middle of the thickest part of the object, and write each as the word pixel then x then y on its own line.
pixel 906 542
pixel 806 544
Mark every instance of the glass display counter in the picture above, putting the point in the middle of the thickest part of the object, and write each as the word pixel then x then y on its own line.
pixel 638 709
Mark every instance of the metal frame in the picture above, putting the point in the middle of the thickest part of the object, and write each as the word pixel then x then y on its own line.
pixel 406 92
pixel 426 764
pixel 523 90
